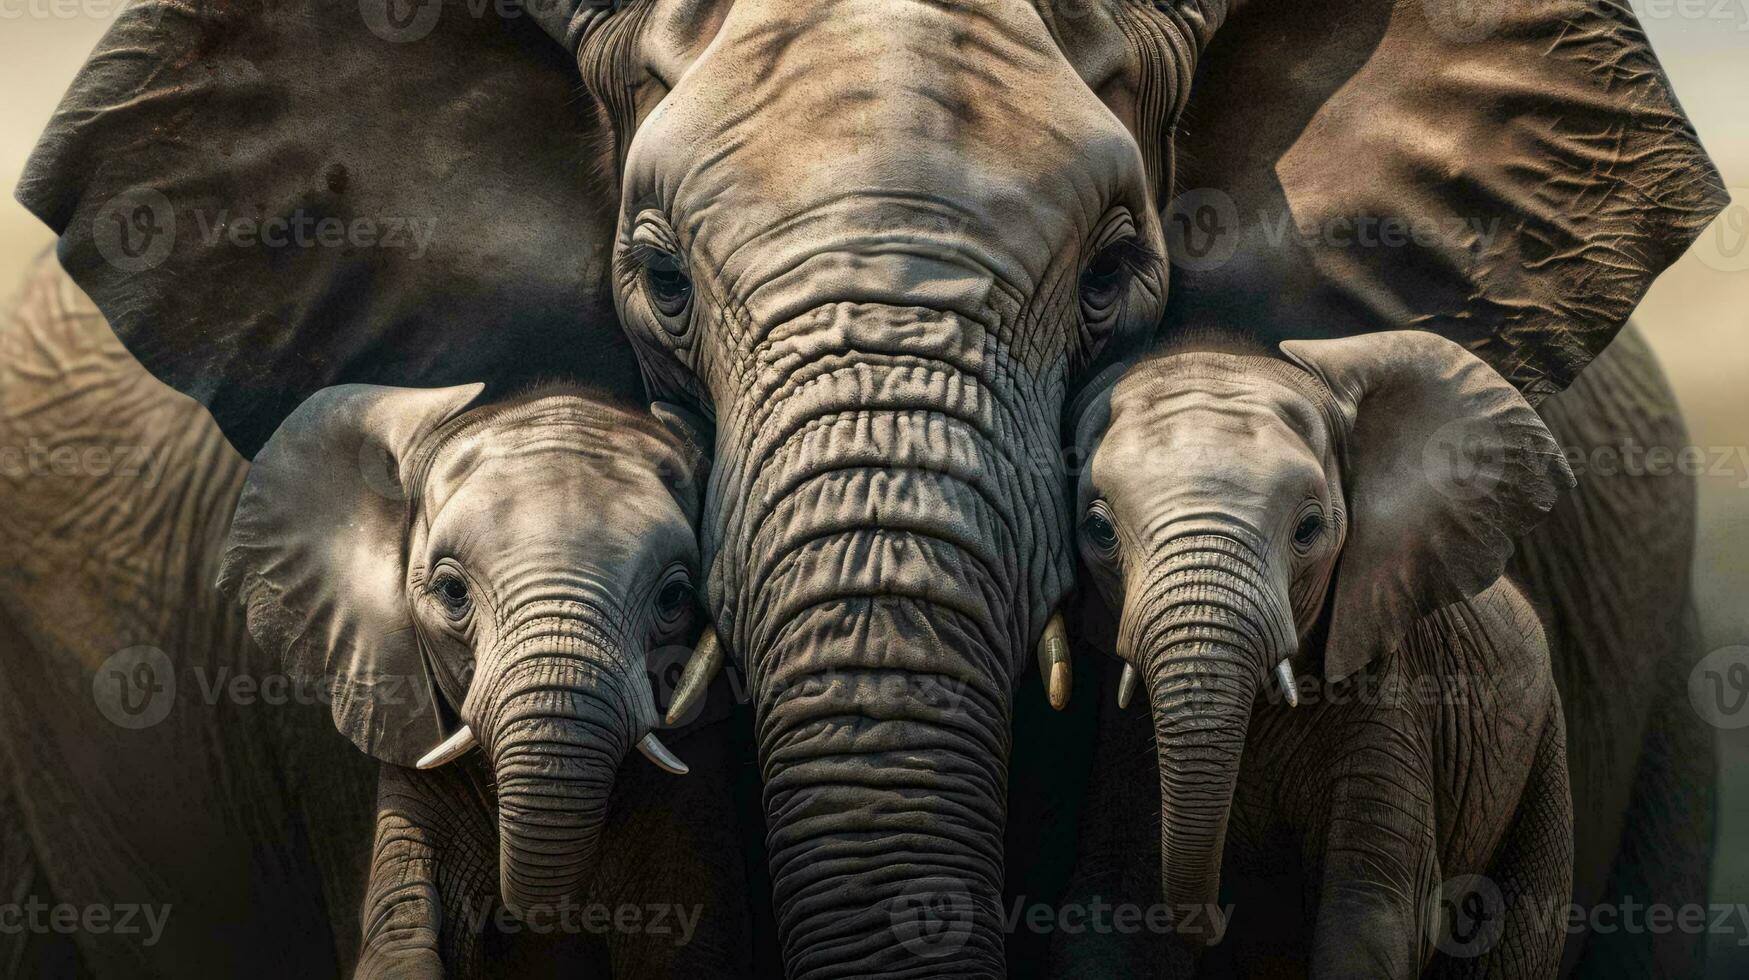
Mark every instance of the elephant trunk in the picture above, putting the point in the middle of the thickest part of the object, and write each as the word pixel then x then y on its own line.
pixel 1210 625
pixel 564 712
pixel 886 599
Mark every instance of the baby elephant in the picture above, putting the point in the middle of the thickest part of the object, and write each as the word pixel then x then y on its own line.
pixel 495 574
pixel 1330 531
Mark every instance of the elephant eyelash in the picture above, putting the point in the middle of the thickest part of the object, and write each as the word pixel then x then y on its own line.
pixel 642 253
pixel 1133 256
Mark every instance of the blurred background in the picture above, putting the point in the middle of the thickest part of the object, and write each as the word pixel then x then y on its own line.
pixel 1697 315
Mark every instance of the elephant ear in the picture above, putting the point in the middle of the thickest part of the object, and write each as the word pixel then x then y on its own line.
pixel 1444 464
pixel 1510 174
pixel 318 557
pixel 269 197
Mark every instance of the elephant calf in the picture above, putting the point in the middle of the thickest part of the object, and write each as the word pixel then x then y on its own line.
pixel 500 573
pixel 1344 514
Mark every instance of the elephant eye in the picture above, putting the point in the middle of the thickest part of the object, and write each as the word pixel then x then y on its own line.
pixel 452 592
pixel 1307 531
pixel 1100 531
pixel 1108 276
pixel 674 600
pixel 670 289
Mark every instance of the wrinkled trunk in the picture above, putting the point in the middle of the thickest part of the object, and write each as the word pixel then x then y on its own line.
pixel 1210 623
pixel 561 717
pixel 877 524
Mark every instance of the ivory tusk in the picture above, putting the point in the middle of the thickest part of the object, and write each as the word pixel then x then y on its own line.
pixel 658 753
pixel 1290 688
pixel 695 680
pixel 1126 686
pixel 451 749
pixel 1053 661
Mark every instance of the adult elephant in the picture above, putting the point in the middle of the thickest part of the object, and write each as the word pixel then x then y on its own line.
pixel 881 246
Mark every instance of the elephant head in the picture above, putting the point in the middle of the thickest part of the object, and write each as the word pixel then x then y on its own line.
pixel 880 247
pixel 502 571
pixel 1244 512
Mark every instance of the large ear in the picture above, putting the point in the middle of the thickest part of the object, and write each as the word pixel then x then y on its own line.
pixel 1443 463
pixel 269 197
pixel 1510 174
pixel 318 557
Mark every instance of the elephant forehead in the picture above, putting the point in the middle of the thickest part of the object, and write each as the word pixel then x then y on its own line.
pixel 952 123
pixel 1227 443
pixel 554 459
pixel 1160 387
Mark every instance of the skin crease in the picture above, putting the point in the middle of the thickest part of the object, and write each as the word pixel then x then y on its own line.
pixel 1610 581
pixel 1220 479
pixel 550 548
pixel 896 219
pixel 193 833
pixel 885 313
pixel 209 809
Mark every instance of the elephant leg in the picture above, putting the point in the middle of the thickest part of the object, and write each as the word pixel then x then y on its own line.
pixel 433 875
pixel 1373 856
pixel 1533 874
pixel 1609 574
pixel 1664 855
pixel 24 952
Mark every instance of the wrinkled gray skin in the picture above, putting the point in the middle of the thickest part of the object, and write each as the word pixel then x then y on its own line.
pixel 1608 572
pixel 246 814
pixel 540 549
pixel 884 343
pixel 251 818
pixel 880 244
pixel 1245 512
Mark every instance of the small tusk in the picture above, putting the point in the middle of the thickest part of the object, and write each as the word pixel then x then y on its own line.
pixel 658 753
pixel 695 680
pixel 451 749
pixel 1289 685
pixel 1126 686
pixel 1053 661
